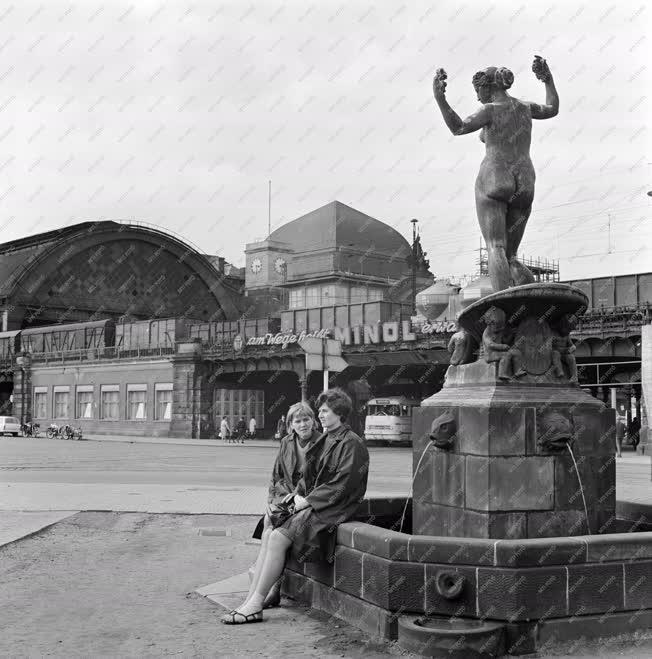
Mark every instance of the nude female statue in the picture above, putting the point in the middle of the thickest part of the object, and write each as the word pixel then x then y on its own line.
pixel 504 189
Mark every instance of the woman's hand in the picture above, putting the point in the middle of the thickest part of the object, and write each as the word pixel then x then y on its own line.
pixel 439 84
pixel 300 502
pixel 541 69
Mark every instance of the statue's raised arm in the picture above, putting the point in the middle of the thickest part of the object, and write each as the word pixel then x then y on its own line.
pixel 551 107
pixel 456 125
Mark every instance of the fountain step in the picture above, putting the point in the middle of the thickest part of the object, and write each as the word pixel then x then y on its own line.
pixel 456 638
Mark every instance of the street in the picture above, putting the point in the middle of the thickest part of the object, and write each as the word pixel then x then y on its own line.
pixel 140 475
pixel 46 474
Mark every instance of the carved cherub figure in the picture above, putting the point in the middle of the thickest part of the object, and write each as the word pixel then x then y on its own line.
pixel 495 340
pixel 461 347
pixel 563 348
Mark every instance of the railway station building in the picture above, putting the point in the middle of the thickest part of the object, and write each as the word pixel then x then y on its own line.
pixel 127 329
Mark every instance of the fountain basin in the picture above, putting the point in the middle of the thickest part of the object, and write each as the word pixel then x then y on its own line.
pixel 540 590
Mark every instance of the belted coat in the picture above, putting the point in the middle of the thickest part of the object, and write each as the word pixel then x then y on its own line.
pixel 334 482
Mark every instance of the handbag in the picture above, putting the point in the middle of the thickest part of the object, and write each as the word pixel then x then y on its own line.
pixel 279 513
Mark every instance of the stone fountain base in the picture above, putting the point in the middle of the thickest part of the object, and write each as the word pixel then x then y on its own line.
pixel 536 592
pixel 494 461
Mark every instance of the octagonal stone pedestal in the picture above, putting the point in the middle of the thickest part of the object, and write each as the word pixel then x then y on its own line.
pixel 501 477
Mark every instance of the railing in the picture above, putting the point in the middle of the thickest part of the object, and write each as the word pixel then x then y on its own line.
pixel 98 354
pixel 614 319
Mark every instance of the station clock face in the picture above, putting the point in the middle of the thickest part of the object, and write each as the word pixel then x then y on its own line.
pixel 279 264
pixel 256 265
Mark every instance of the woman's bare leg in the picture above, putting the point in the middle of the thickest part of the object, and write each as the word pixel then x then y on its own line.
pixel 492 216
pixel 271 570
pixel 517 217
pixel 264 541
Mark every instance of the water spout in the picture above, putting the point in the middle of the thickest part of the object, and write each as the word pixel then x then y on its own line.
pixel 579 480
pixel 416 471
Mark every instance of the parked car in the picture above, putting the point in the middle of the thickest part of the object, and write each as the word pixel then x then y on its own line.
pixel 9 424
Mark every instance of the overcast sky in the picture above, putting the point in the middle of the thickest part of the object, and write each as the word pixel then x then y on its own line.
pixel 177 114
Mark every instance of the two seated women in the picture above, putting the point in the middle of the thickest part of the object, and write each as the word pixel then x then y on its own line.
pixel 318 482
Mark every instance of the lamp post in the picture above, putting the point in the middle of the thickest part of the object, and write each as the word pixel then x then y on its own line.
pixel 414 266
pixel 21 363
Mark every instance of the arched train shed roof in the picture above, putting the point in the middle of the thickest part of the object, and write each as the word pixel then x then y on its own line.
pixel 110 269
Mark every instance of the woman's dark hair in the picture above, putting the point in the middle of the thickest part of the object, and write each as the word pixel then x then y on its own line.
pixel 338 401
pixel 500 77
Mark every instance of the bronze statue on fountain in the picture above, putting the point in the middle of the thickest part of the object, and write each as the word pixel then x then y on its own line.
pixel 511 410
pixel 523 327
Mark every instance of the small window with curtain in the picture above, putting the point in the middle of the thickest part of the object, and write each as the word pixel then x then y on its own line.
pixel 84 405
pixel 136 402
pixel 40 402
pixel 163 401
pixel 110 402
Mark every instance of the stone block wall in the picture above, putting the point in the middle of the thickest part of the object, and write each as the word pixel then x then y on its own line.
pixel 537 587
pixel 501 478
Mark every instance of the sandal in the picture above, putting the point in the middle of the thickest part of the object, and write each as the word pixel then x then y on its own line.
pixel 230 618
pixel 273 601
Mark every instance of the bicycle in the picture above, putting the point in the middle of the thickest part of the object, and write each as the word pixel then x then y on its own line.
pixel 30 429
pixel 66 431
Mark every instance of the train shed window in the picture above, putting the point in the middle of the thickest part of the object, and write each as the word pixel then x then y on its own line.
pixel 110 402
pixel 163 401
pixel 136 402
pixel 40 402
pixel 237 403
pixel 61 401
pixel 84 401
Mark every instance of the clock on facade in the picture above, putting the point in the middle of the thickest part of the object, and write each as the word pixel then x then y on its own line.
pixel 279 265
pixel 256 265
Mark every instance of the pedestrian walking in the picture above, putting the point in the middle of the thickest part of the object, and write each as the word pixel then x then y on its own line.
pixel 634 432
pixel 240 429
pixel 252 427
pixel 225 431
pixel 620 433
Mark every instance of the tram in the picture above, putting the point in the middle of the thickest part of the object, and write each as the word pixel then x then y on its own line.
pixel 389 419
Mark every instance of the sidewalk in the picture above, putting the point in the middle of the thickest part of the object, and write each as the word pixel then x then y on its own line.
pixel 183 441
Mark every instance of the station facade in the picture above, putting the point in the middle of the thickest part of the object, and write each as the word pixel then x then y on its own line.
pixel 191 344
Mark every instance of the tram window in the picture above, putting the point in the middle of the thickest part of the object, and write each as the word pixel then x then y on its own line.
pixel 385 410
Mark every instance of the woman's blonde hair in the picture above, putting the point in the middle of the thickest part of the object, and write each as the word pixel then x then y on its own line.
pixel 299 408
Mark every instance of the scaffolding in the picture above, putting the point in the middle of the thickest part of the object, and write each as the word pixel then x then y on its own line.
pixel 542 269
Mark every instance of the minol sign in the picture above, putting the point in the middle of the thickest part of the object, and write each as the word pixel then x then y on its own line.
pixel 372 334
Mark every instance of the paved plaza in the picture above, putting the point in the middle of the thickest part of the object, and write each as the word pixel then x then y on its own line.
pixel 126 577
pixel 125 474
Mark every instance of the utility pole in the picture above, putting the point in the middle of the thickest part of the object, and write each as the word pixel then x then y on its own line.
pixel 414 266
pixel 269 208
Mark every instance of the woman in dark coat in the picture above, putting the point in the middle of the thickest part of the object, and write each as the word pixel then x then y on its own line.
pixel 328 493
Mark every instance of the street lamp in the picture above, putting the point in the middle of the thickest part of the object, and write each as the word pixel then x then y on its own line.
pixel 414 265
